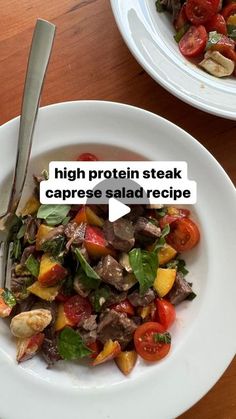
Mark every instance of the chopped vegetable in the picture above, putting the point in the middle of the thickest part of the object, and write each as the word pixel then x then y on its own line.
pixel 45 293
pixel 50 271
pixel 110 351
pixel 126 361
pixel 164 281
pixel 32 265
pixel 71 346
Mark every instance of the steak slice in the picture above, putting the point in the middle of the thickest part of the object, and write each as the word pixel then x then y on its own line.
pixel 116 326
pixel 180 290
pixel 138 300
pixel 120 234
pixel 111 272
pixel 146 228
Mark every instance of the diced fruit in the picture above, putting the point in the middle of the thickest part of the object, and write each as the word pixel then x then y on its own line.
pixel 110 351
pixel 146 311
pixel 41 234
pixel 5 310
pixel 126 361
pixel 96 244
pixel 50 271
pixel 31 206
pixel 28 347
pixel 164 281
pixel 46 293
pixel 166 254
pixel 61 320
pixel 87 215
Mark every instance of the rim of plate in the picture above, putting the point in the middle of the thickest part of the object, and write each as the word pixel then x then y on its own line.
pixel 149 390
pixel 205 86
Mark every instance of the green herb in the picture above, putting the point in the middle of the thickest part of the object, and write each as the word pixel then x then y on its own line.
pixel 53 214
pixel 144 265
pixel 161 212
pixel 231 30
pixel 21 232
pixel 213 39
pixel 160 242
pixel 68 286
pixel 181 32
pixel 86 281
pixel 16 250
pixel 165 231
pixel 191 296
pixel 8 298
pixel 66 220
pixel 54 246
pixel 71 346
pixel 159 6
pixel 89 271
pixel 32 265
pixel 178 264
pixel 99 297
pixel 45 174
pixel 162 337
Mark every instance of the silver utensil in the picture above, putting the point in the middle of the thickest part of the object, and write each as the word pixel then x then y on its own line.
pixel 40 52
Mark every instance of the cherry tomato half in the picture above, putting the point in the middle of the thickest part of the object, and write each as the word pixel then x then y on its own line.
pixel 184 235
pixel 87 157
pixel 193 42
pixel 217 23
pixel 165 313
pixel 124 307
pixel 77 308
pixel 145 344
pixel 200 11
pixel 229 10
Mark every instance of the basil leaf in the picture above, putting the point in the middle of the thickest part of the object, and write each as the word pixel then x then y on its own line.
pixel 32 265
pixel 53 214
pixel 160 8
pixel 191 296
pixel 21 232
pixel 86 281
pixel 90 272
pixel 16 251
pixel 99 297
pixel 66 220
pixel 231 30
pixel 71 346
pixel 181 32
pixel 161 212
pixel 178 264
pixel 45 174
pixel 165 231
pixel 144 265
pixel 8 298
pixel 68 286
pixel 162 337
pixel 54 246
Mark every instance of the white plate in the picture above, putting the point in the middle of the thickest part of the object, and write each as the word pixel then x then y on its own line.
pixel 204 335
pixel 149 36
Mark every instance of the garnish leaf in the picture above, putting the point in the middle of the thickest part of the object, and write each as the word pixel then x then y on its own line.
pixel 165 231
pixel 86 281
pixel 99 297
pixel 16 251
pixel 178 264
pixel 53 214
pixel 191 296
pixel 32 265
pixel 21 232
pixel 144 265
pixel 231 30
pixel 89 271
pixel 181 32
pixel 213 38
pixel 71 345
pixel 160 8
pixel 162 337
pixel 54 246
pixel 8 298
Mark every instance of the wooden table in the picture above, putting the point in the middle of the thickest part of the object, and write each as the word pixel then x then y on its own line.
pixel 91 61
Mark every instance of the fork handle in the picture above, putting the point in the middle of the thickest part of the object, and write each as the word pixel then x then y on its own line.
pixel 37 65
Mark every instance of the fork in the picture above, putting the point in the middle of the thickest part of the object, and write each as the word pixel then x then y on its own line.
pixel 40 52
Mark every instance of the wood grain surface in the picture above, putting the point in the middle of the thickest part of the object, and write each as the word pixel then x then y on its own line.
pixel 91 61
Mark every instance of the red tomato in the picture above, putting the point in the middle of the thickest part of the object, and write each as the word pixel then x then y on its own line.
pixel 95 347
pixel 145 344
pixel 165 313
pixel 181 19
pixel 200 11
pixel 124 307
pixel 77 308
pixel 225 50
pixel 217 23
pixel 95 235
pixel 87 157
pixel 168 219
pixel 184 235
pixel 193 42
pixel 229 10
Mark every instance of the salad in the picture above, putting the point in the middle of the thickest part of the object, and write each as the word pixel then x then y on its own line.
pixel 85 287
pixel 206 32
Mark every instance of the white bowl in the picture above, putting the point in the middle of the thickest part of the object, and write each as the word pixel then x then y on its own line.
pixel 204 335
pixel 149 36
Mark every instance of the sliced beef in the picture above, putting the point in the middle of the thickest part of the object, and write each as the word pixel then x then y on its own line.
pixel 137 320
pixel 32 225
pixel 49 347
pixel 138 300
pixel 180 290
pixel 120 234
pixel 111 272
pixel 88 336
pixel 115 298
pixel 116 326
pixel 136 211
pixel 54 233
pixel 29 250
pixel 144 227
pixel 26 304
pixel 89 323
pixel 75 233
